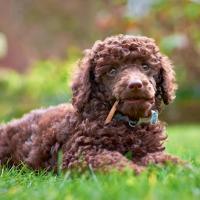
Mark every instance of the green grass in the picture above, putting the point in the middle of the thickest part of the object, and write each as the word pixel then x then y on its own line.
pixel 171 182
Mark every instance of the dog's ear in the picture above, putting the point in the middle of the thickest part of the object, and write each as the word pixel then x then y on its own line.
pixel 81 86
pixel 167 81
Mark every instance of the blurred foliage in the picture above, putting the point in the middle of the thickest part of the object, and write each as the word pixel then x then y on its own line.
pixel 3 45
pixel 46 83
pixel 51 27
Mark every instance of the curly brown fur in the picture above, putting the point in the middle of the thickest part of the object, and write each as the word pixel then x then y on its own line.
pixel 125 68
pixel 34 139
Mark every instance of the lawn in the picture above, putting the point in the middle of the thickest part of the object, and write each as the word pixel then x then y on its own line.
pixel 171 182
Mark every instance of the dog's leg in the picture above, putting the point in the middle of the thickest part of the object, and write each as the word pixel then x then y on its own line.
pixel 34 139
pixel 101 160
pixel 158 158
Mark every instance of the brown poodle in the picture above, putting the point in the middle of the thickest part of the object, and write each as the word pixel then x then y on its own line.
pixel 112 122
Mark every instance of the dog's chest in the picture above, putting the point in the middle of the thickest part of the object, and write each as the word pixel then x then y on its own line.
pixel 119 137
pixel 122 139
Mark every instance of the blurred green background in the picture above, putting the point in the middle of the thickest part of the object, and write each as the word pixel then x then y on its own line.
pixel 41 42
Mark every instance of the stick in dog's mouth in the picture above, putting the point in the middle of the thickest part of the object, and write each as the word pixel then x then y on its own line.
pixel 112 112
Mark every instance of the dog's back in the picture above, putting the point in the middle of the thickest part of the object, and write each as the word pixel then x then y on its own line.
pixel 35 138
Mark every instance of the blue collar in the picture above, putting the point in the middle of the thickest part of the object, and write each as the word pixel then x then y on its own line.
pixel 153 119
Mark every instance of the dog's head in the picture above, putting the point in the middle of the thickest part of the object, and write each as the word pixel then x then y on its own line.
pixel 126 68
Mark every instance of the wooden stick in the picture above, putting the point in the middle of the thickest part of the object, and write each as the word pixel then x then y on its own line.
pixel 112 112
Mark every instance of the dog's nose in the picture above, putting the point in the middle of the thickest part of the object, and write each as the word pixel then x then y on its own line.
pixel 135 84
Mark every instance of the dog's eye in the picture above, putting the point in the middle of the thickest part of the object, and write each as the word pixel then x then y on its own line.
pixel 112 72
pixel 145 67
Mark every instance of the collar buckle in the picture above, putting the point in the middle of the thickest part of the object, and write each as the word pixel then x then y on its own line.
pixel 132 123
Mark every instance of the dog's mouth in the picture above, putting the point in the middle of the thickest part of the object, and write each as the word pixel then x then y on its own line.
pixel 136 100
pixel 134 107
